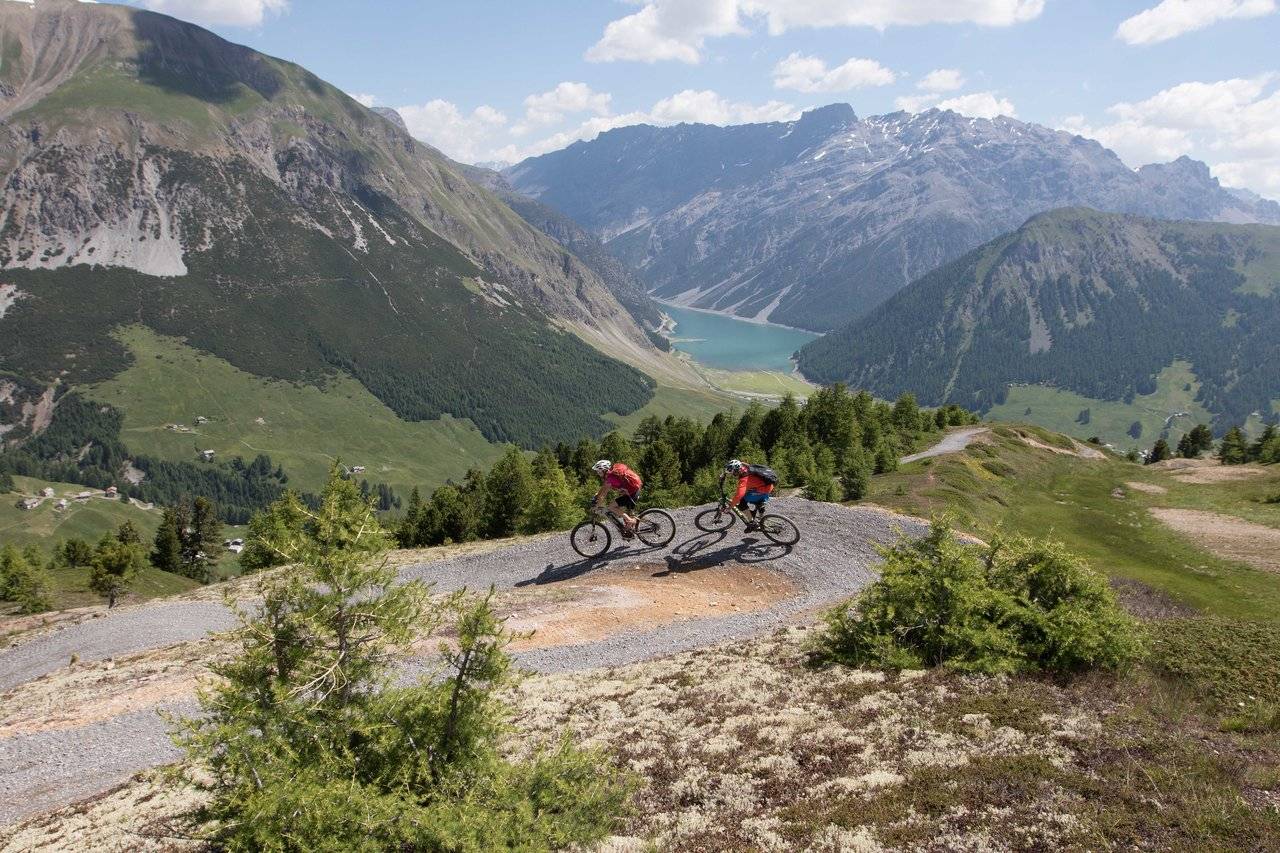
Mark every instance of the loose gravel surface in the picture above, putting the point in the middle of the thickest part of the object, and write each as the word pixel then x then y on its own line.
pixel 951 443
pixel 835 558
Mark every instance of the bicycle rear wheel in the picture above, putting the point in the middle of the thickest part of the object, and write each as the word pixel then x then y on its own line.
pixel 590 539
pixel 779 529
pixel 656 527
pixel 714 520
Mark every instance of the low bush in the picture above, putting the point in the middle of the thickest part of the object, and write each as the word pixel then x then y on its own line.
pixel 1014 605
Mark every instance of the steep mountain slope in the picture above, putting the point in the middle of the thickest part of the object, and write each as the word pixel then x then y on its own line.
pixel 1091 302
pixel 155 173
pixel 815 221
pixel 587 247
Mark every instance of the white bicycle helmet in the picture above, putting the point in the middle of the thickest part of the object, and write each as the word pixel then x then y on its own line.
pixel 602 466
pixel 733 466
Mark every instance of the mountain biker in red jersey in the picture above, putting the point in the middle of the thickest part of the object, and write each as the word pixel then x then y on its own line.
pixel 616 476
pixel 753 490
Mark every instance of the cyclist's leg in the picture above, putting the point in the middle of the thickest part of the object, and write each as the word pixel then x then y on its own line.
pixel 627 505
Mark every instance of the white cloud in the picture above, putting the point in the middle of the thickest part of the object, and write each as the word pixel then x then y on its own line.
pixel 941 80
pixel 974 104
pixel 678 29
pixel 234 13
pixel 1172 18
pixel 979 105
pixel 565 99
pixel 810 74
pixel 666 29
pixel 466 137
pixel 363 99
pixel 706 107
pixel 1232 124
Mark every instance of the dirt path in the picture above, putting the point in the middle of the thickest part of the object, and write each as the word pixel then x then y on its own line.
pixel 1226 536
pixel 92 724
pixel 951 443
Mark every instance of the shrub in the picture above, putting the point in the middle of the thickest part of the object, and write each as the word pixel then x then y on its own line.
pixel 821 487
pixel 24 579
pixel 305 742
pixel 1012 606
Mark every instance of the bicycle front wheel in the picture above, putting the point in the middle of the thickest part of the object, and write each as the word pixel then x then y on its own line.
pixel 779 529
pixel 656 527
pixel 590 539
pixel 714 520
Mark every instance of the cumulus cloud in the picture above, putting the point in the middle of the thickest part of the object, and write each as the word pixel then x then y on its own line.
pixel 565 99
pixel 810 74
pixel 363 99
pixel 974 104
pixel 469 137
pixel 232 13
pixel 1172 18
pixel 941 80
pixel 1232 124
pixel 979 105
pixel 666 30
pixel 678 29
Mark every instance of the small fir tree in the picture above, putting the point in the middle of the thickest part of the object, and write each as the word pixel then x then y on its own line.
pixel 115 567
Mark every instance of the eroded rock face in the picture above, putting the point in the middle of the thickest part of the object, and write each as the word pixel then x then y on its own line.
pixel 816 221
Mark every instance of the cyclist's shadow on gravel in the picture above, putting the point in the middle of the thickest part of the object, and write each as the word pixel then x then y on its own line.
pixel 555 574
pixel 701 552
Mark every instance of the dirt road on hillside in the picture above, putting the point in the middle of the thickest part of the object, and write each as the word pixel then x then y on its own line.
pixel 951 443
pixel 748 586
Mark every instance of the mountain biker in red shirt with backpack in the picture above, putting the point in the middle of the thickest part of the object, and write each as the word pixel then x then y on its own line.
pixel 616 476
pixel 755 486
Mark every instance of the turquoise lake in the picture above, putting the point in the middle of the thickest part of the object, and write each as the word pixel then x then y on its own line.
pixel 731 344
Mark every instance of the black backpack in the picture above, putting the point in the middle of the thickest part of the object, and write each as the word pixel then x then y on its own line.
pixel 765 473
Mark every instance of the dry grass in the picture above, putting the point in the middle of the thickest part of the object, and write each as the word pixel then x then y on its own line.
pixel 746 747
pixel 1226 536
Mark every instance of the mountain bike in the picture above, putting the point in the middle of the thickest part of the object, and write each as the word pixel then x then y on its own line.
pixel 777 528
pixel 591 538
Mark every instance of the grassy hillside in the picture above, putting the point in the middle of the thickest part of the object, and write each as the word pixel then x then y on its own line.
pixel 1099 304
pixel 87 520
pixel 301 426
pixel 1111 420
pixel 1008 484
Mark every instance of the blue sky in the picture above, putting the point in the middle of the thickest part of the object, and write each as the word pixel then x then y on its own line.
pixel 487 80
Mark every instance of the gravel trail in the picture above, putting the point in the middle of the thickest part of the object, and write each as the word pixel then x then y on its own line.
pixel 835 558
pixel 952 443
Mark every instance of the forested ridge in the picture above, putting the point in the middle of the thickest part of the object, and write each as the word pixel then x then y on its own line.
pixel 1095 303
pixel 410 318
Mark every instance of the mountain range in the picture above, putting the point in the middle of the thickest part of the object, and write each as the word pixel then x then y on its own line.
pixel 1089 302
pixel 156 174
pixel 816 221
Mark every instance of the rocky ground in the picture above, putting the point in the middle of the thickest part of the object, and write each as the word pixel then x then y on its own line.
pixel 82 695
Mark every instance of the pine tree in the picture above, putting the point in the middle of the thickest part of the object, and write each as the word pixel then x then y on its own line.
pixel 200 550
pixel 906 414
pixel 166 551
pixel 1233 450
pixel 886 459
pixel 660 467
pixel 1159 452
pixel 410 531
pixel 821 487
pixel 1197 440
pixel 75 553
pixel 615 448
pixel 127 534
pixel 552 506
pixel 305 736
pixel 1258 451
pixel 114 569
pixel 508 488
pixel 24 579
pixel 284 520
pixel 856 476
